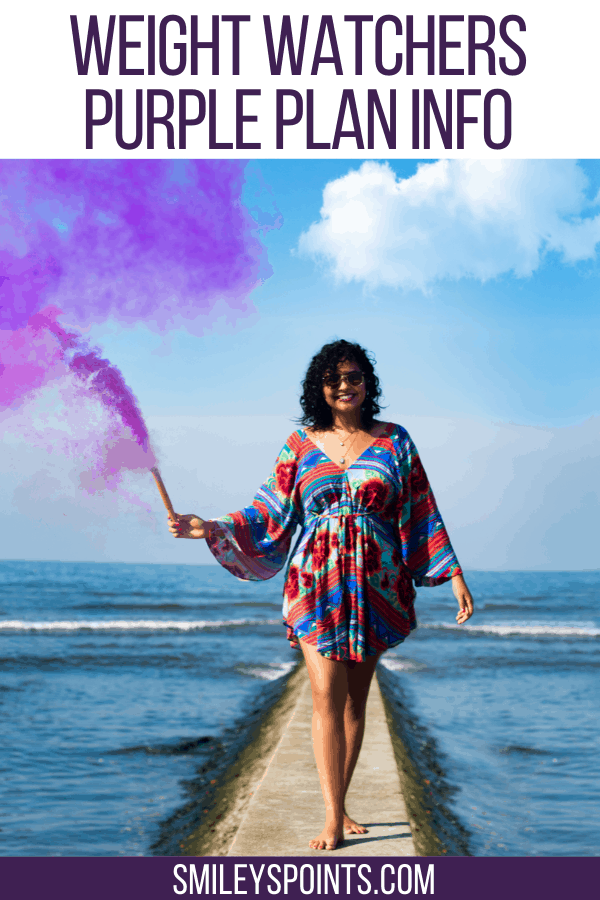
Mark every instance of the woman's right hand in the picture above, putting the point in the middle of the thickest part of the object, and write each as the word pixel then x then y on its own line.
pixel 188 526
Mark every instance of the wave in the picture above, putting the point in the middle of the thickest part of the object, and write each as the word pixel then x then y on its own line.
pixel 269 672
pixel 584 629
pixel 17 625
pixel 401 665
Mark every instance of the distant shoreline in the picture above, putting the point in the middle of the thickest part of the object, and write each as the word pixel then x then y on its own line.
pixel 215 565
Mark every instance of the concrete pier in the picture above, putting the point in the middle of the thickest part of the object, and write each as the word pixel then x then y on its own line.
pixel 284 809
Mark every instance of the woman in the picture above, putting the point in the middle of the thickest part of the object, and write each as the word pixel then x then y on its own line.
pixel 369 529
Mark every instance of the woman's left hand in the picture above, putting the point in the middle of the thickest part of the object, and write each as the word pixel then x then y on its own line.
pixel 465 600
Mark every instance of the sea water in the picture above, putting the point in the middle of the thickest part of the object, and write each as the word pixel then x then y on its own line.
pixel 117 682
pixel 511 704
pixel 123 690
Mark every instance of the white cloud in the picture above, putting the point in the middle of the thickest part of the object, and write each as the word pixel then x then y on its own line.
pixel 452 219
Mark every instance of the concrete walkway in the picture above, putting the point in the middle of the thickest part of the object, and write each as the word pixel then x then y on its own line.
pixel 286 808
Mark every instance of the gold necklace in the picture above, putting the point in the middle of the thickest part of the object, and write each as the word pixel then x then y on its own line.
pixel 346 451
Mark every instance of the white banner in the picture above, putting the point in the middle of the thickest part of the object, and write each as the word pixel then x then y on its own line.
pixel 268 79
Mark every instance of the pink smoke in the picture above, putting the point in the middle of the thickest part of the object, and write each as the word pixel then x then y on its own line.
pixel 154 241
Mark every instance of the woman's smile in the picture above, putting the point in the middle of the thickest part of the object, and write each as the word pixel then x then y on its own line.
pixel 343 395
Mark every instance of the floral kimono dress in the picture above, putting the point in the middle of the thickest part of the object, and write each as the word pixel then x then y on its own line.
pixel 366 535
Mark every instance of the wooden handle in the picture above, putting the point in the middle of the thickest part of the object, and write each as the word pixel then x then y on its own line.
pixel 163 492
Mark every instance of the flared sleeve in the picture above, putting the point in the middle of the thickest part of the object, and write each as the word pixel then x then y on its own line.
pixel 426 548
pixel 253 543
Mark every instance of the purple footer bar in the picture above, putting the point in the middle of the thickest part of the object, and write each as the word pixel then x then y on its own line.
pixel 162 878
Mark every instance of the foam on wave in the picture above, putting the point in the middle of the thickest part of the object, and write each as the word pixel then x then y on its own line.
pixel 269 672
pixel 131 624
pixel 583 629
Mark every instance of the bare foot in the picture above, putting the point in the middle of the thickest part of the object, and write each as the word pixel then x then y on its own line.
pixel 352 827
pixel 330 838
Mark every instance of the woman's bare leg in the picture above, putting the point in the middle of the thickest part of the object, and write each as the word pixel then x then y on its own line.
pixel 360 675
pixel 329 683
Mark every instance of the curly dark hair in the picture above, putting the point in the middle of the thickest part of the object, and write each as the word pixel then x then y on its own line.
pixel 316 412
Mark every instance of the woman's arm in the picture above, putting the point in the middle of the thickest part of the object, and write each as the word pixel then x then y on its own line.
pixel 465 600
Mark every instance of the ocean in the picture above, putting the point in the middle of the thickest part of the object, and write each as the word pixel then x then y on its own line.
pixel 126 689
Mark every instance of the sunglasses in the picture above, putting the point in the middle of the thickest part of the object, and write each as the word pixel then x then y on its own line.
pixel 352 378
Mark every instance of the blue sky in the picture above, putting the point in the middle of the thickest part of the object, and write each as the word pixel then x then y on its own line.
pixel 473 365
pixel 514 348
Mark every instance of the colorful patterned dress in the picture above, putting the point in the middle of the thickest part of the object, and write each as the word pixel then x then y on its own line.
pixel 366 534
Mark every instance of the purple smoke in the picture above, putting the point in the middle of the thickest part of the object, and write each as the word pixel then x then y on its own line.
pixel 166 243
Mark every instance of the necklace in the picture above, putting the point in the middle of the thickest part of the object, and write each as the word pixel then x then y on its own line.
pixel 342 444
